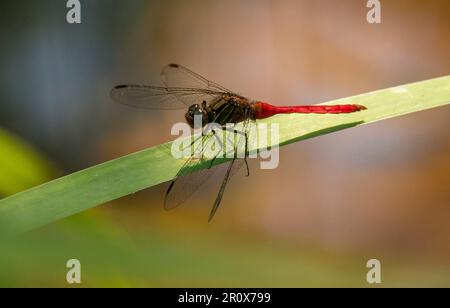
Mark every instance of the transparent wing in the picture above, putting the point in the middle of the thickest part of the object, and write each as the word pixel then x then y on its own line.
pixel 186 184
pixel 151 97
pixel 221 190
pixel 234 166
pixel 183 88
pixel 237 165
pixel 175 75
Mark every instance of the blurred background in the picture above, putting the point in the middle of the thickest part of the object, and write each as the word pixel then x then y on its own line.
pixel 377 191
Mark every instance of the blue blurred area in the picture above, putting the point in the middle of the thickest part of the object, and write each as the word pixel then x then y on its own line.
pixel 56 77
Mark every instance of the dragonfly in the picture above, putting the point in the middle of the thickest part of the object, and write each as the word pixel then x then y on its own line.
pixel 212 103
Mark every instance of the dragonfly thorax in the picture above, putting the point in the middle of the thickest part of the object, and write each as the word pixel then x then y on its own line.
pixel 223 110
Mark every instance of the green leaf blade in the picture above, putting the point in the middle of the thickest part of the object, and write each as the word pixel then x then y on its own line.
pixel 126 175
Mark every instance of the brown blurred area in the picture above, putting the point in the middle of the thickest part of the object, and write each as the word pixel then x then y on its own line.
pixel 382 186
pixel 378 190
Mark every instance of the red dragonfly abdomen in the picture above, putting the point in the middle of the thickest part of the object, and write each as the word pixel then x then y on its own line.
pixel 265 110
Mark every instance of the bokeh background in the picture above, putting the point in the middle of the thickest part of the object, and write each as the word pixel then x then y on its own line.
pixel 377 191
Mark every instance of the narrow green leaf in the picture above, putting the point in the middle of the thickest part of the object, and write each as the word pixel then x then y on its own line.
pixel 105 182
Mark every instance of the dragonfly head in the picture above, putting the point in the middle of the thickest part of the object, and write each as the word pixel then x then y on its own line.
pixel 196 111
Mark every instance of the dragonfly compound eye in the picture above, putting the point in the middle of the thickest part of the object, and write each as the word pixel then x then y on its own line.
pixel 193 111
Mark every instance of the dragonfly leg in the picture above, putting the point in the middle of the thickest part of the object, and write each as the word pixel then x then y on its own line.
pixel 212 162
pixel 246 154
pixel 235 133
pixel 194 140
pixel 221 146
pixel 246 149
pixel 169 189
